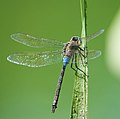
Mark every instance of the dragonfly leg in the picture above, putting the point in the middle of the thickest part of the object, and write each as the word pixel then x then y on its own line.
pixel 75 69
pixel 81 54
pixel 81 58
pixel 79 50
pixel 77 65
pixel 72 64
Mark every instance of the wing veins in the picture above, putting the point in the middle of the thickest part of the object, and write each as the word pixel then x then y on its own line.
pixel 36 59
pixel 31 41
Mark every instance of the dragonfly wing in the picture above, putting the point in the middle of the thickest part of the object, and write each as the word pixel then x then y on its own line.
pixel 36 59
pixel 35 42
pixel 94 54
pixel 94 35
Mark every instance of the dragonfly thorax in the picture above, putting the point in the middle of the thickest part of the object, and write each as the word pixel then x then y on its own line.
pixel 71 47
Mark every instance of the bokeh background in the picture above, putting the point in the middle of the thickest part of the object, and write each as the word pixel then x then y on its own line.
pixel 27 93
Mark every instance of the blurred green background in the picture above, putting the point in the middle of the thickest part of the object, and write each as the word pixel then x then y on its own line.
pixel 27 93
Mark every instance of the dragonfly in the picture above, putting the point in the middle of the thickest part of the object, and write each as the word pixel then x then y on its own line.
pixel 68 52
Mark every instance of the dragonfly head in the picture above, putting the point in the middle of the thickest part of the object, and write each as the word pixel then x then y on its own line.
pixel 76 39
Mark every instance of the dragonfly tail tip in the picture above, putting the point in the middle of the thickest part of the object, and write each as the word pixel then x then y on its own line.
pixel 53 108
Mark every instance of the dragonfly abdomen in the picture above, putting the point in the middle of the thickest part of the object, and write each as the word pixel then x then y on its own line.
pixel 66 60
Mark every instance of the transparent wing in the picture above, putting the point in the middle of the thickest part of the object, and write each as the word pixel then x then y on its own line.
pixel 94 54
pixel 94 35
pixel 35 42
pixel 36 59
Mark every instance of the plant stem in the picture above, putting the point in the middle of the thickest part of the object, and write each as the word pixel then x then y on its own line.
pixel 80 92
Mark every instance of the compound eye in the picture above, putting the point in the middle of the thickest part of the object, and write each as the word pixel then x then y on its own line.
pixel 75 38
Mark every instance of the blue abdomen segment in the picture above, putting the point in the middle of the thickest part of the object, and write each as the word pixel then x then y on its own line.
pixel 65 60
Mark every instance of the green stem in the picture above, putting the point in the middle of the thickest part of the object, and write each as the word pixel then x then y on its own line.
pixel 80 92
